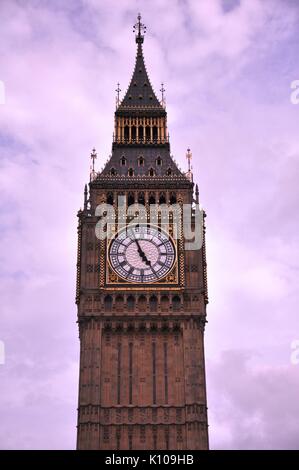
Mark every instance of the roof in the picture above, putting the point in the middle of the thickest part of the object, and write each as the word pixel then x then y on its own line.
pixel 140 92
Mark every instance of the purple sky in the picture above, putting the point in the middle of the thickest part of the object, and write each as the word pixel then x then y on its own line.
pixel 227 67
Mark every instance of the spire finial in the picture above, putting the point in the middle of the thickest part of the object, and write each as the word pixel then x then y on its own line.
pixel 189 158
pixel 93 156
pixel 139 29
pixel 118 90
pixel 162 89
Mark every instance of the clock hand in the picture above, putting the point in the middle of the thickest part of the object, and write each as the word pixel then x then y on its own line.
pixel 141 253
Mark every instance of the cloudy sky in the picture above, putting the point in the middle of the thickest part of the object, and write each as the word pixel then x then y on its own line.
pixel 227 66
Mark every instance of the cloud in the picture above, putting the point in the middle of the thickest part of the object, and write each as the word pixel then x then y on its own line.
pixel 228 66
pixel 251 410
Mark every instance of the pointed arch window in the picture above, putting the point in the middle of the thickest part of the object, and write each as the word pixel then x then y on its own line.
pixel 110 198
pixel 113 171
pixel 141 198
pixel 140 133
pixel 169 172
pixel 131 302
pixel 141 161
pixel 123 161
pixel 176 302
pixel 152 198
pixel 151 172
pixel 162 198
pixel 159 161
pixel 131 172
pixel 131 199
pixel 172 198
pixel 108 302
pixel 153 302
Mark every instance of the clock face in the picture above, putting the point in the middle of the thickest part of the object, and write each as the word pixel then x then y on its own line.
pixel 141 253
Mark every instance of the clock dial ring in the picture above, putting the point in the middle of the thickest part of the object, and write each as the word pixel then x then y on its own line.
pixel 141 253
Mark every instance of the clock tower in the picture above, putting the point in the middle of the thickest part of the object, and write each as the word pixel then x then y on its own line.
pixel 141 288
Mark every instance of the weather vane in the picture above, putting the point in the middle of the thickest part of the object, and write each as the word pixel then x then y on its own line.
pixel 162 89
pixel 93 156
pixel 139 29
pixel 118 90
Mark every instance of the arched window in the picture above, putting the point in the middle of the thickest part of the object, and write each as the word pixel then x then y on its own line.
pixel 172 198
pixel 169 172
pixel 131 172
pixel 151 172
pixel 152 198
pixel 133 132
pixel 141 198
pixel 108 302
pixel 155 133
pixel 153 302
pixel 110 198
pixel 123 161
pixel 159 161
pixel 131 198
pixel 141 161
pixel 140 133
pixel 131 302
pixel 113 171
pixel 176 302
pixel 162 198
pixel 126 133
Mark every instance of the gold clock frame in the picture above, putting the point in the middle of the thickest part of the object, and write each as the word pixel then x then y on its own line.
pixel 170 280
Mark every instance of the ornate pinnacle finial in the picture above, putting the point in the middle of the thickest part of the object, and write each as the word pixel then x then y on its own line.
pixel 85 197
pixel 162 89
pixel 118 90
pixel 189 158
pixel 93 156
pixel 139 29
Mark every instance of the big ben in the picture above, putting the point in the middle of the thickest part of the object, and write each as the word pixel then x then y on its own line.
pixel 141 288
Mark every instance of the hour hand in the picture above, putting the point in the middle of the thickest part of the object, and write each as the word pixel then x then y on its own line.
pixel 141 253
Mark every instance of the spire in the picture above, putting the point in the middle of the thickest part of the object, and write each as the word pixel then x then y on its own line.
pixel 140 92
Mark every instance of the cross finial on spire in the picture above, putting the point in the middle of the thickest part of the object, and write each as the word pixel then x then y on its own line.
pixel 93 156
pixel 118 90
pixel 162 89
pixel 139 29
